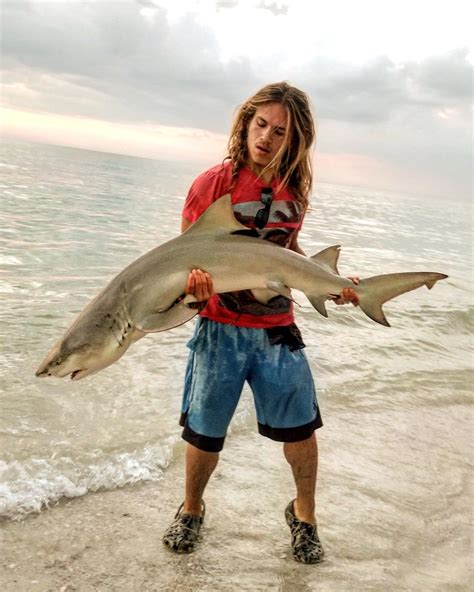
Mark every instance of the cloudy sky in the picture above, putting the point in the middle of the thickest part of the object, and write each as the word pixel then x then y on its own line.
pixel 390 80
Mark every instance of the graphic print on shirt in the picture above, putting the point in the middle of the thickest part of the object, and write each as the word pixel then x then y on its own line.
pixel 281 212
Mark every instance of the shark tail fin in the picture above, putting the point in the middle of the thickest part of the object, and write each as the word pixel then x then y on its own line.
pixel 374 291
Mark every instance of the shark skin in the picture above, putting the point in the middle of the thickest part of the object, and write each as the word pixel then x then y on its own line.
pixel 148 295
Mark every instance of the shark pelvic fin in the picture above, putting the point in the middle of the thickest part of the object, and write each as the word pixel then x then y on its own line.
pixel 328 258
pixel 219 215
pixel 279 288
pixel 264 295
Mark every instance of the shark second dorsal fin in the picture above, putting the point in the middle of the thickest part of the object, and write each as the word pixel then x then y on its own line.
pixel 218 216
pixel 328 258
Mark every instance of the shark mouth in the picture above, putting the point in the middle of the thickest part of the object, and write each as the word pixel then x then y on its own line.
pixel 77 373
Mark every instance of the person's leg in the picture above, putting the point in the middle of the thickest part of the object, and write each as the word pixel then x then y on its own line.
pixel 215 375
pixel 288 412
pixel 199 468
pixel 300 513
pixel 303 459
pixel 182 534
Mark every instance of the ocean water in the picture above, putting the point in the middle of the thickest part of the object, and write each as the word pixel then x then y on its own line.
pixel 395 401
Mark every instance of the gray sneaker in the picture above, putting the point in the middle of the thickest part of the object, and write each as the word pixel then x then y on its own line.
pixel 183 532
pixel 305 543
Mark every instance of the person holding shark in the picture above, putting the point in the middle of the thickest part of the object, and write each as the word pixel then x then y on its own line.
pixel 241 285
pixel 239 338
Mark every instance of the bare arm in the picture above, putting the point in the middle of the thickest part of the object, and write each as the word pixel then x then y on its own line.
pixel 294 246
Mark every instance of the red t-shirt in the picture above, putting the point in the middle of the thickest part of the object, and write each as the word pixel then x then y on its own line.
pixel 241 308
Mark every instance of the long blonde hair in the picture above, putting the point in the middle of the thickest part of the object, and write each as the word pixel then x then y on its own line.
pixel 293 160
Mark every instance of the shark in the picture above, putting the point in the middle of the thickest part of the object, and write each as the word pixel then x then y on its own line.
pixel 148 295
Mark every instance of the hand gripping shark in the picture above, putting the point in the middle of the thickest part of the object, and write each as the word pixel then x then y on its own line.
pixel 146 296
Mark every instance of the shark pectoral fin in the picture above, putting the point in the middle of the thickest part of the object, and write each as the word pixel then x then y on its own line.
pixel 173 317
pixel 189 299
pixel 328 258
pixel 319 304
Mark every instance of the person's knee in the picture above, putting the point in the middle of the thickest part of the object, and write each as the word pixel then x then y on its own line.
pixel 197 456
pixel 297 452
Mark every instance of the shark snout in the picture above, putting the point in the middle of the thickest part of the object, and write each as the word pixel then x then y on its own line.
pixel 79 361
pixel 60 372
pixel 60 364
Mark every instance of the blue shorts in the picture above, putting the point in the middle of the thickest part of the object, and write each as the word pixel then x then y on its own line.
pixel 222 358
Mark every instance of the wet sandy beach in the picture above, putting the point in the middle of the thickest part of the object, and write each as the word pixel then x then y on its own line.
pixel 111 540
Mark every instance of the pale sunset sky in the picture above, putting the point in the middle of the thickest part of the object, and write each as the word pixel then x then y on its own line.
pixel 390 81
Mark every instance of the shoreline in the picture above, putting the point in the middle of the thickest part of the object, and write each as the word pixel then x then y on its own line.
pixel 380 528
pixel 111 540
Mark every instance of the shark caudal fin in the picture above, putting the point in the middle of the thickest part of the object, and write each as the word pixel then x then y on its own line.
pixel 374 291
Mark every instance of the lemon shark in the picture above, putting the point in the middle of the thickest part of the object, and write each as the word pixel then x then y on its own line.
pixel 148 295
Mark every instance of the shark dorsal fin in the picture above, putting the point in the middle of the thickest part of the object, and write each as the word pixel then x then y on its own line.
pixel 328 258
pixel 218 216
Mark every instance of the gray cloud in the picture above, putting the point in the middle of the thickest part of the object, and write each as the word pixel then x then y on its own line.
pixel 377 91
pixel 225 4
pixel 448 76
pixel 117 64
pixel 135 70
pixel 276 8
